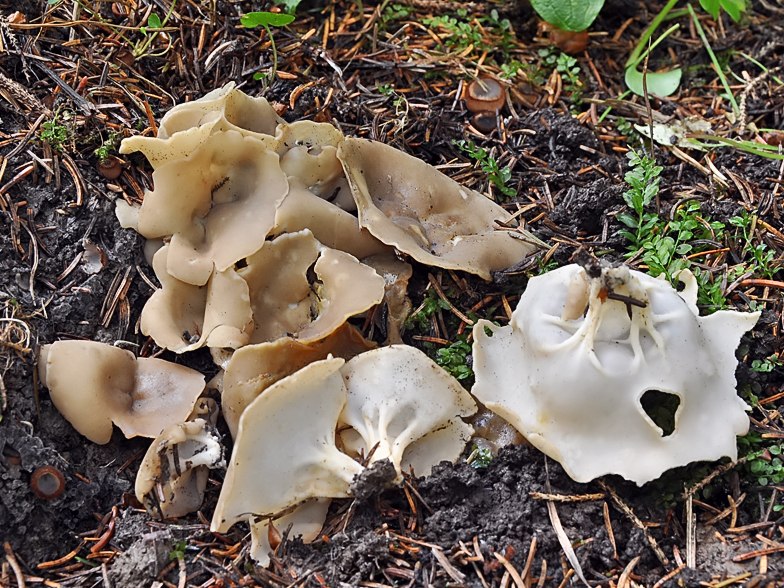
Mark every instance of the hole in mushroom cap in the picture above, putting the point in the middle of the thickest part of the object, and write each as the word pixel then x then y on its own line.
pixel 484 94
pixel 47 482
pixel 662 408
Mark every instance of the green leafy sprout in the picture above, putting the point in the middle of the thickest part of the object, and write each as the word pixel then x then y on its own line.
pixel 178 551
pixel 464 32
pixel 251 20
pixel 57 132
pixel 479 458
pixel 496 176
pixel 109 145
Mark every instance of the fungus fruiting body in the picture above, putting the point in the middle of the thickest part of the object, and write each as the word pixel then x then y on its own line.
pixel 47 482
pixel 572 384
pixel 484 94
pixel 93 385
pixel 398 399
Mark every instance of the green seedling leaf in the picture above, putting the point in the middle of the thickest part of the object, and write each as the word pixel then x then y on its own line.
pixel 290 6
pixel 732 7
pixel 661 84
pixel 712 7
pixel 266 19
pixel 569 15
pixel 153 21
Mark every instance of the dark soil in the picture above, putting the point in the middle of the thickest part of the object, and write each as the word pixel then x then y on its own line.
pixel 568 168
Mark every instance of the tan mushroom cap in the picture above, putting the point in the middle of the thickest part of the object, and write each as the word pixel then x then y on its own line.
pixel 250 115
pixel 182 317
pixel 218 204
pixel 397 396
pixel 255 368
pixel 93 384
pixel 412 206
pixel 331 226
pixel 292 468
pixel 173 474
pixel 306 521
pixel 284 306
pixel 396 274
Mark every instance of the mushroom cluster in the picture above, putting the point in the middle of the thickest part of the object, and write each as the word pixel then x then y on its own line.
pixel 246 205
pixel 267 236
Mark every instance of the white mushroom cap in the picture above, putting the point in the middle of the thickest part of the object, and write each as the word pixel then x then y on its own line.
pixel 93 384
pixel 409 204
pixel 573 386
pixel 292 468
pixel 306 521
pixel 396 396
pixel 182 317
pixel 218 204
pixel 254 368
pixel 173 474
pixel 285 305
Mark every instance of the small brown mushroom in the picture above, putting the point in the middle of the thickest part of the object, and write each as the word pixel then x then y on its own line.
pixel 47 482
pixel 484 94
pixel 110 168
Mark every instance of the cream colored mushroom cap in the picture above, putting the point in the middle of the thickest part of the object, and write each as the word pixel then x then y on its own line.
pixel 306 521
pixel 397 395
pixel 182 317
pixel 291 468
pixel 409 204
pixel 184 477
pixel 254 368
pixel 218 204
pixel 330 225
pixel 285 306
pixel 93 384
pixel 572 386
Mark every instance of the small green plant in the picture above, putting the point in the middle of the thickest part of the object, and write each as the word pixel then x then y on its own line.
pixel 464 32
pixel 109 145
pixel 289 6
pixel 764 462
pixel 393 13
pixel 497 176
pixel 568 68
pixel 57 132
pixel 643 177
pixel 178 551
pixel 762 258
pixel 569 15
pixel 453 359
pixel 627 128
pixel 766 365
pixel 401 106
pixel 421 319
pixel 251 20
pixel 479 458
